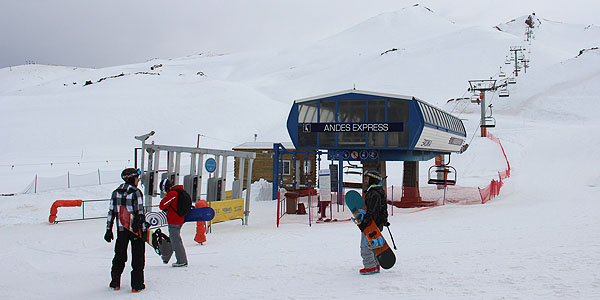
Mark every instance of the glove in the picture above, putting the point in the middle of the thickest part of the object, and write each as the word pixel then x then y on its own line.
pixel 108 236
pixel 386 224
pixel 138 223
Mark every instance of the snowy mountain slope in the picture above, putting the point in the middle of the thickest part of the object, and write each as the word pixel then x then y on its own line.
pixel 434 61
pixel 557 38
pixel 423 41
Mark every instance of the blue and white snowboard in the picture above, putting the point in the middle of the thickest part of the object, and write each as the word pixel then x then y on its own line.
pixel 159 218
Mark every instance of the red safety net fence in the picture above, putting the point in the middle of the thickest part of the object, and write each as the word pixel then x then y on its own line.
pixel 493 189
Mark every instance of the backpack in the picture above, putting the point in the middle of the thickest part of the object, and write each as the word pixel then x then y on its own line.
pixel 184 203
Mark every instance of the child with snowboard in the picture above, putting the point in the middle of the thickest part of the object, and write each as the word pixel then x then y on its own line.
pixel 127 196
pixel 376 202
pixel 169 204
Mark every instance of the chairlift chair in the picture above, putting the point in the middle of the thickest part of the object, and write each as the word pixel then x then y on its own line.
pixel 512 80
pixel 503 92
pixel 502 75
pixel 488 122
pixel 448 175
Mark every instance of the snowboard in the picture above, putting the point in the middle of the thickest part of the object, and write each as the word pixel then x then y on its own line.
pixel 375 241
pixel 159 218
pixel 160 242
pixel 200 214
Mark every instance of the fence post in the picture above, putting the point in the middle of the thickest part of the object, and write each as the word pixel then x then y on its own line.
pixel 99 181
pixel 68 180
pixel 392 200
pixel 35 187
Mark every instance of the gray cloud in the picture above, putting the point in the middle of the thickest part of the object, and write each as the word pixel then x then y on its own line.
pixel 115 32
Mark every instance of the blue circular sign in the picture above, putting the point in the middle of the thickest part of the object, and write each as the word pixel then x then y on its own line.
pixel 210 165
pixel 373 154
pixel 364 154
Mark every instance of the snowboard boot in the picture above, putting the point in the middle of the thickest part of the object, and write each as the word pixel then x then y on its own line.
pixel 369 271
pixel 134 290
pixel 176 265
pixel 114 285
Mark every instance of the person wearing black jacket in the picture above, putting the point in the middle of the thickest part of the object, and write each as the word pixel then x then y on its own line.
pixel 376 202
pixel 127 196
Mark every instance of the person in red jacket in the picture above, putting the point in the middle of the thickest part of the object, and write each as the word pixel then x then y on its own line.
pixel 169 204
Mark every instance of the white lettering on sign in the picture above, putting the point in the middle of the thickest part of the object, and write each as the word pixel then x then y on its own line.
pixel 337 127
pixel 370 127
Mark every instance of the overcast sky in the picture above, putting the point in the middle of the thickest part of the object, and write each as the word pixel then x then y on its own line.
pixel 90 33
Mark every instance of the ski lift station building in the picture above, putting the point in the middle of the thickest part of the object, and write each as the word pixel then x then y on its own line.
pixel 373 128
pixel 377 126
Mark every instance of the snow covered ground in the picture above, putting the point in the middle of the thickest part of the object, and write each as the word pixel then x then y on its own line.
pixel 538 240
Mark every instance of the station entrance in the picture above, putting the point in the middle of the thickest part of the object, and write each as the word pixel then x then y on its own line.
pixel 227 206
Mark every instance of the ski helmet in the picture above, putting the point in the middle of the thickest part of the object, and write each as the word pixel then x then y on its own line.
pixel 130 173
pixel 374 177
pixel 166 185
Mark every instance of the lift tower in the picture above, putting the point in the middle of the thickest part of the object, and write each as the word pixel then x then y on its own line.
pixel 483 86
pixel 516 50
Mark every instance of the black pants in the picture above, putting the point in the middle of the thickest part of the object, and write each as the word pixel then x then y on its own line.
pixel 138 259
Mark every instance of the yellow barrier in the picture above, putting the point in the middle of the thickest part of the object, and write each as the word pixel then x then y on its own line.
pixel 228 210
pixel 228 195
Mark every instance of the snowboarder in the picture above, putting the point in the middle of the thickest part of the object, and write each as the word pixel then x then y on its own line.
pixel 376 202
pixel 169 204
pixel 127 196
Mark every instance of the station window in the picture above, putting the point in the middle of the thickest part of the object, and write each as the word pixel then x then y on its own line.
pixel 351 111
pixel 351 139
pixel 376 109
pixel 327 139
pixel 307 167
pixel 399 139
pixel 306 139
pixel 308 112
pixel 327 111
pixel 377 139
pixel 398 111
pixel 284 166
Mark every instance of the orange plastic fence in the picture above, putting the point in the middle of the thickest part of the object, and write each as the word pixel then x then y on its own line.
pixel 493 189
pixel 61 203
